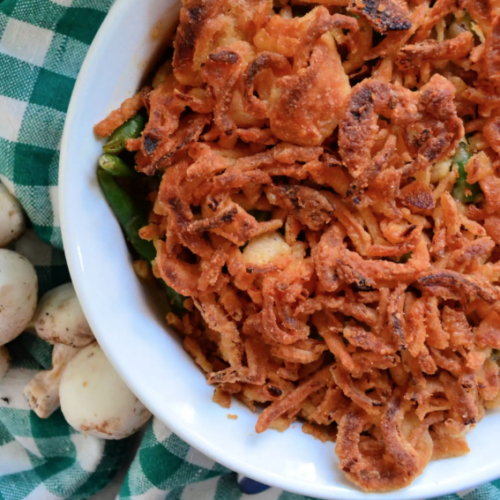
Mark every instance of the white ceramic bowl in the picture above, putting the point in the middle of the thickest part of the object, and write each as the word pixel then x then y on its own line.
pixel 150 358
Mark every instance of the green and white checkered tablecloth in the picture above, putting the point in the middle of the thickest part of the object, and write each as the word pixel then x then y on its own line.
pixel 42 46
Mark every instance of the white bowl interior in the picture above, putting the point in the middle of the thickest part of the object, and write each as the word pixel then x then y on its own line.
pixel 136 339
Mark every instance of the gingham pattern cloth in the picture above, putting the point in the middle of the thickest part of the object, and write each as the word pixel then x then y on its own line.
pixel 42 46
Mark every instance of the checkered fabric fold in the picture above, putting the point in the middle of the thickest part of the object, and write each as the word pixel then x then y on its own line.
pixel 42 46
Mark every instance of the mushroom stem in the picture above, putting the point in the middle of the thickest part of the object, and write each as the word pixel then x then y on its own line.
pixel 43 389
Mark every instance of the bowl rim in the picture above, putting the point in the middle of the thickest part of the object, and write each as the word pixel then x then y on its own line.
pixel 205 446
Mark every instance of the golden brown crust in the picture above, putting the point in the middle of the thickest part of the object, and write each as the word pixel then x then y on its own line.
pixel 194 16
pixel 492 53
pixel 387 465
pixel 412 56
pixel 433 128
pixel 384 15
pixel 451 284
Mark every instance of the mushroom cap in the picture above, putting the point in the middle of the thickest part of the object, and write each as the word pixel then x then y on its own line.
pixel 12 220
pixel 59 318
pixel 18 294
pixel 95 400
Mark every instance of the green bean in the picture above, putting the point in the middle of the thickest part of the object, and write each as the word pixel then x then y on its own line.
pixel 405 257
pixel 261 215
pixel 463 191
pixel 345 12
pixel 131 219
pixel 462 155
pixel 314 334
pixel 129 216
pixel 131 129
pixel 176 300
pixel 115 166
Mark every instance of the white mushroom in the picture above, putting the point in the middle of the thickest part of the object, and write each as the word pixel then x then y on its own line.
pixel 12 222
pixel 43 390
pixel 4 361
pixel 59 318
pixel 18 294
pixel 95 400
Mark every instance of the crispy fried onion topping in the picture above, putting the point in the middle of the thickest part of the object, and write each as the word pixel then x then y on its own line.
pixel 429 117
pixel 392 459
pixel 329 236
